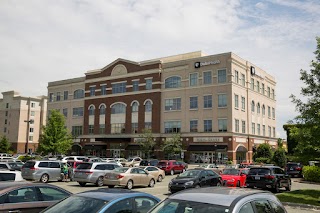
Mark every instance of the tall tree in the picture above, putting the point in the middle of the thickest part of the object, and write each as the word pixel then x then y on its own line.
pixel 55 137
pixel 172 145
pixel 4 145
pixel 147 142
pixel 263 151
pixel 307 133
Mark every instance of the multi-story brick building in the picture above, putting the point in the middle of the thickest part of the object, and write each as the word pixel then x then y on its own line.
pixel 222 105
pixel 21 120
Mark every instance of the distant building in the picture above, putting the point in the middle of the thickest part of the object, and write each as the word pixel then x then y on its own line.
pixel 222 105
pixel 21 119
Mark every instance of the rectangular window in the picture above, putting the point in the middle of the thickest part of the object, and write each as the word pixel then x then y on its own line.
pixel 222 125
pixel 149 84
pixel 118 128
pixel 236 125
pixel 243 126
pixel 58 96
pixel 134 127
pixel 252 84
pixel 269 131
pixel 78 111
pixel 207 77
pixel 268 92
pixel 119 87
pixel 222 76
pixel 91 129
pixel 6 113
pixel 5 121
pixel 135 85
pixel 102 128
pixel 172 126
pixel 274 131
pixel 243 103
pixel 92 90
pixel 236 76
pixel 193 102
pixel 65 95
pixel 269 112
pixel 258 129
pixel 76 131
pixel 272 93
pixel 31 138
pixel 5 129
pixel 264 130
pixel 65 112
pixel 207 101
pixel 50 97
pixel 236 101
pixel 243 80
pixel 193 81
pixel 258 86
pixel 31 129
pixel 33 105
pixel 7 105
pixel 222 100
pixel 103 89
pixel 207 124
pixel 262 88
pixel 273 113
pixel 193 126
pixel 173 104
pixel 148 125
pixel 253 130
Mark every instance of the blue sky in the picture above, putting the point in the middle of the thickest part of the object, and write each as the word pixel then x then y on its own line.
pixel 43 41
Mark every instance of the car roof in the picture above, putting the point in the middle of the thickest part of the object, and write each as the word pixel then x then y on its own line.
pixel 9 185
pixel 112 194
pixel 216 195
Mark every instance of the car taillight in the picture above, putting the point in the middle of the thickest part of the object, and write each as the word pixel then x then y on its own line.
pixel 88 173
pixel 33 169
pixel 269 177
pixel 119 176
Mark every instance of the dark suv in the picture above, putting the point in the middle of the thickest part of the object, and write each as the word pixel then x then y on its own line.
pixel 268 177
pixel 149 162
pixel 294 169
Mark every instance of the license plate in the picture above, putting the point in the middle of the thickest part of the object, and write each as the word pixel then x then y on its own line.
pixel 291 168
pixel 257 178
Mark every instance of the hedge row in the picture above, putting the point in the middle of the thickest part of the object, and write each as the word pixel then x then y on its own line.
pixel 311 173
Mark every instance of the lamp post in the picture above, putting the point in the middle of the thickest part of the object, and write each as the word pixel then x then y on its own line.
pixel 215 153
pixel 31 121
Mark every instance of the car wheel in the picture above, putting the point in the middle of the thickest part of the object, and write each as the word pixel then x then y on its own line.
pixel 288 188
pixel 276 188
pixel 151 183
pixel 160 178
pixel 82 184
pixel 218 184
pixel 197 186
pixel 129 184
pixel 44 178
pixel 238 183
pixel 111 186
pixel 99 182
pixel 172 172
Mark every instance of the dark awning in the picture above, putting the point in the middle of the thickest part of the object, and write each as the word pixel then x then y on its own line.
pixel 206 147
pixel 133 147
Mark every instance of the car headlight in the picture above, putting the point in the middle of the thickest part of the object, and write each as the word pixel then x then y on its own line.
pixel 189 183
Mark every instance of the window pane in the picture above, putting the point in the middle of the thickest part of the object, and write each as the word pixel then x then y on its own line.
pixel 49 194
pixel 222 100
pixel 173 82
pixel 207 99
pixel 207 77
pixel 222 76
pixel 193 79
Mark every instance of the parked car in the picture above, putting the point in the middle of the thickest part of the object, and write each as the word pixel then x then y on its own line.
pixel 6 175
pixel 234 177
pixel 43 171
pixel 212 167
pixel 294 169
pixel 10 166
pixel 74 158
pixel 122 161
pixel 220 200
pixel 72 167
pixel 171 166
pixel 92 172
pixel 155 171
pixel 93 160
pixel 184 164
pixel 132 162
pixel 194 178
pixel 268 177
pixel 129 177
pixel 29 197
pixel 106 200
pixel 149 162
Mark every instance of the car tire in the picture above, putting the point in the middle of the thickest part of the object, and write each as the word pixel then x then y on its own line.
pixel 218 184
pixel 276 188
pixel 129 184
pixel 100 181
pixel 82 184
pixel 151 183
pixel 172 172
pixel 288 188
pixel 238 183
pixel 110 186
pixel 44 178
pixel 197 186
pixel 160 178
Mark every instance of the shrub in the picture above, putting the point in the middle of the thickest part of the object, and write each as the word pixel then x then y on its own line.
pixel 229 162
pixel 279 157
pixel 262 160
pixel 25 158
pixel 311 173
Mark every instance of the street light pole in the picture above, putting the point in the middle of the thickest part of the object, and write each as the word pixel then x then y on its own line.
pixel 215 153
pixel 28 130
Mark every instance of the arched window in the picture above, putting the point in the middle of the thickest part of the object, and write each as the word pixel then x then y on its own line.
pixel 91 110
pixel 263 110
pixel 258 108
pixel 135 107
pixel 173 82
pixel 148 106
pixel 118 108
pixel 252 106
pixel 78 94
pixel 102 110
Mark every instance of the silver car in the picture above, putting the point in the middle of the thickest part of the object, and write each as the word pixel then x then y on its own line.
pixel 42 171
pixel 92 172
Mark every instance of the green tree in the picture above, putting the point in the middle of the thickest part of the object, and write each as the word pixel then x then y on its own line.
pixel 307 133
pixel 263 151
pixel 279 157
pixel 172 145
pixel 4 145
pixel 55 137
pixel 147 142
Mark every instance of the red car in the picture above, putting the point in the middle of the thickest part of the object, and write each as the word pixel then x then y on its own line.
pixel 171 166
pixel 234 177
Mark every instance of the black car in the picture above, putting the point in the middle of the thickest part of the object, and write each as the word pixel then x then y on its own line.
pixel 149 162
pixel 268 177
pixel 294 169
pixel 194 178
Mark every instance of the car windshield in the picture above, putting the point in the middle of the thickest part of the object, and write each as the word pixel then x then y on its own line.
pixel 259 171
pixel 231 172
pixel 77 204
pixel 120 169
pixel 190 173
pixel 84 166
pixel 177 206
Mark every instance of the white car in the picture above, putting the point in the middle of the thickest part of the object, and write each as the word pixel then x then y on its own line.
pixel 6 175
pixel 74 158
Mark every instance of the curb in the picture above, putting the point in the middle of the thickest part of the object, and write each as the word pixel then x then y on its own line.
pixel 301 205
pixel 309 182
